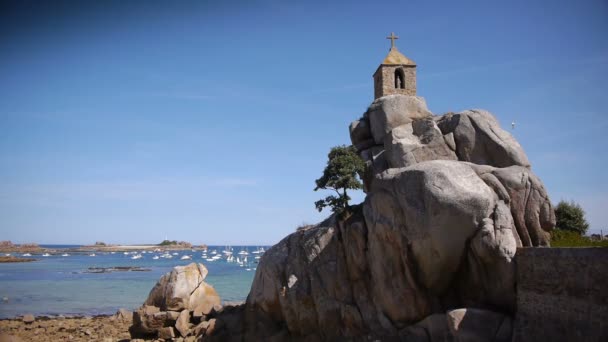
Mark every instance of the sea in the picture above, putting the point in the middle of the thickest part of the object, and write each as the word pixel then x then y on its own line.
pixel 63 285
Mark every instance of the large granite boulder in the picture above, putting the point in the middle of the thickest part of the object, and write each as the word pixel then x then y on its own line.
pixel 431 236
pixel 406 139
pixel 417 142
pixel 449 200
pixel 391 111
pixel 479 139
pixel 170 303
pixel 183 288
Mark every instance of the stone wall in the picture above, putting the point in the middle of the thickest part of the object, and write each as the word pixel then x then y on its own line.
pixel 384 80
pixel 562 294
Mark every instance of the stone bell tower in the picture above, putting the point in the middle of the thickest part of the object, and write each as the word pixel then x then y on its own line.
pixel 396 74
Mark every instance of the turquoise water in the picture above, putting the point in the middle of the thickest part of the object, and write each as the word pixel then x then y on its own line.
pixel 56 285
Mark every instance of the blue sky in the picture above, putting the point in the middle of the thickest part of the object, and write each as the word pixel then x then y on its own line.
pixel 208 121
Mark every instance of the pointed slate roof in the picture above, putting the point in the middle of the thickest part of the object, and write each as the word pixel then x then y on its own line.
pixel 395 57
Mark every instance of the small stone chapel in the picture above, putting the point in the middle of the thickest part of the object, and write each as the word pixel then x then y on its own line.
pixel 396 74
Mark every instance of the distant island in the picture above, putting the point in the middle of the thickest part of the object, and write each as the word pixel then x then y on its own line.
pixel 7 259
pixel 8 248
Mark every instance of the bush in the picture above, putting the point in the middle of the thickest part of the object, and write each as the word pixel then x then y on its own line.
pixel 570 216
pixel 168 243
pixel 568 238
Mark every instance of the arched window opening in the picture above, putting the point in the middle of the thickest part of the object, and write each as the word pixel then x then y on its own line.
pixel 399 79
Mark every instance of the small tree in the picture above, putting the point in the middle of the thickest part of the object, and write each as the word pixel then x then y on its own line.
pixel 570 216
pixel 340 174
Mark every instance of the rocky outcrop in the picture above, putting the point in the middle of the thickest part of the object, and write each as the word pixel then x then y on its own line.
pixel 171 305
pixel 59 328
pixel 388 112
pixel 449 200
pixel 470 325
pixel 183 288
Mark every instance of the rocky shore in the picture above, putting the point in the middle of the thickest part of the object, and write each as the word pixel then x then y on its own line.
pixel 180 307
pixel 7 247
pixel 7 259
pixel 98 328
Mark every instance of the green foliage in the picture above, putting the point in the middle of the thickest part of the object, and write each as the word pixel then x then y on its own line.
pixel 341 173
pixel 570 216
pixel 168 243
pixel 568 238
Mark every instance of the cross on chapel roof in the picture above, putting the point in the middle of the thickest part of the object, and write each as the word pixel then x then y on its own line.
pixel 392 37
pixel 395 57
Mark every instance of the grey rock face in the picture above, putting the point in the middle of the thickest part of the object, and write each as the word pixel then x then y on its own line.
pixel 360 131
pixel 416 142
pixel 480 140
pixel 388 112
pixel 470 325
pixel 472 136
pixel 428 200
pixel 449 200
pixel 434 235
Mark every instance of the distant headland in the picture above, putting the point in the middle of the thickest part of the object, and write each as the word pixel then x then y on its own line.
pixel 12 252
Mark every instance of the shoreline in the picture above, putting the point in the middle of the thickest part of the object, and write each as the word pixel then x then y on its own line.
pixel 12 259
pixel 17 253
pixel 67 328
